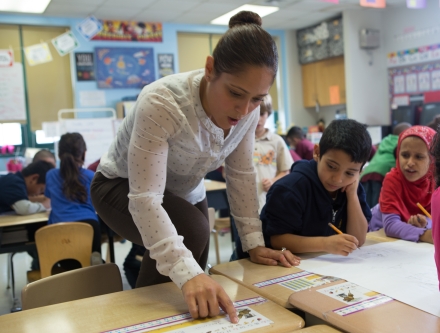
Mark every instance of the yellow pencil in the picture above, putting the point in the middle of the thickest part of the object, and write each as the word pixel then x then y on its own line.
pixel 424 210
pixel 338 231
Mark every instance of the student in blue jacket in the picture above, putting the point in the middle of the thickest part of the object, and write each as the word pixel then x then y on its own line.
pixel 326 189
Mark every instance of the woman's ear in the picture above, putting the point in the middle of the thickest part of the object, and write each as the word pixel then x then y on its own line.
pixel 316 152
pixel 209 68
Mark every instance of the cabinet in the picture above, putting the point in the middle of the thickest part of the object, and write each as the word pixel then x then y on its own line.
pixel 324 82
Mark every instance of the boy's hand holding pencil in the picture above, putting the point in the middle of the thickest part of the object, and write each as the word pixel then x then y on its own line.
pixel 342 244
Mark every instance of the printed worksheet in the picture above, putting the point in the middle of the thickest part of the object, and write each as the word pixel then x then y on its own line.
pixel 402 270
pixel 348 293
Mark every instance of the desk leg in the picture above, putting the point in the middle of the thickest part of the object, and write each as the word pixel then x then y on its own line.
pixel 16 306
pixel 111 245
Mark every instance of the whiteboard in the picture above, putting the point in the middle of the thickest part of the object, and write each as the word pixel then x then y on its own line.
pixel 12 100
pixel 98 134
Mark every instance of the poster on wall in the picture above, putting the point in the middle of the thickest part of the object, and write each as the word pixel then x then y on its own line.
pixel 166 64
pixel 6 58
pixel 411 83
pixel 124 67
pixel 424 81
pixel 85 67
pixel 38 54
pixel 124 31
pixel 435 79
pixel 65 43
pixel 399 84
pixel 89 27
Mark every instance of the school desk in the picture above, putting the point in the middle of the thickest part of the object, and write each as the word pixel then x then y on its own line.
pixel 248 273
pixel 131 307
pixel 318 329
pixel 390 317
pixel 12 249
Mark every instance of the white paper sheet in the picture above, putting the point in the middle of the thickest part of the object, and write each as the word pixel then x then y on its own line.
pixel 403 270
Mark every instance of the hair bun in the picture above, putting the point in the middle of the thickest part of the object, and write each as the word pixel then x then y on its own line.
pixel 245 17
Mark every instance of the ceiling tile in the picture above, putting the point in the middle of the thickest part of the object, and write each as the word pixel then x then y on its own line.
pixel 195 17
pixel 129 3
pixel 69 10
pixel 175 5
pixel 149 15
pixel 71 3
pixel 217 8
pixel 115 13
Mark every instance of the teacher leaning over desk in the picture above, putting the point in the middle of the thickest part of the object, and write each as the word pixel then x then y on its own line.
pixel 149 186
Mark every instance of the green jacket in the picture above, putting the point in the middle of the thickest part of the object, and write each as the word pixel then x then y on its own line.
pixel 384 159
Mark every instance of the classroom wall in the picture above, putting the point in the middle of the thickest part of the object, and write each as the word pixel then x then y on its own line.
pixel 366 85
pixel 404 22
pixel 169 45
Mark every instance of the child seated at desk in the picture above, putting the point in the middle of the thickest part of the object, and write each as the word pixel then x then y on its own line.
pixel 69 187
pixel 300 146
pixel 272 159
pixel 45 155
pixel 325 189
pixel 17 188
pixel 409 183
pixel 435 207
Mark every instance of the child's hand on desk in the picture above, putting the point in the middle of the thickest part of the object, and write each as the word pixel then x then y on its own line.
pixel 204 296
pixel 418 221
pixel 265 256
pixel 340 244
pixel 267 183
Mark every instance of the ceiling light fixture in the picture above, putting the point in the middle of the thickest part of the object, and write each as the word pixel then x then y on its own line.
pixel 24 6
pixel 416 4
pixel 373 3
pixel 260 10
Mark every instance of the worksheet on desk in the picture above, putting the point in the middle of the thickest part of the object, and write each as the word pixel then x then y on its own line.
pixel 405 271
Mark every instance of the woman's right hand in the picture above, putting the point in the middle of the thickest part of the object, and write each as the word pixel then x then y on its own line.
pixel 205 297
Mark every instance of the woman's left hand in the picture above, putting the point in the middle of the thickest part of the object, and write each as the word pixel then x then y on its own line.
pixel 266 256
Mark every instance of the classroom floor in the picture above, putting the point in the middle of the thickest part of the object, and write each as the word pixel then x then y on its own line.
pixel 22 262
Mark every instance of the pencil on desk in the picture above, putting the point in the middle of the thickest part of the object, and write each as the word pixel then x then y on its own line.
pixel 424 210
pixel 338 231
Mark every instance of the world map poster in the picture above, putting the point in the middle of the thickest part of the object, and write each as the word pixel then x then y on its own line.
pixel 124 67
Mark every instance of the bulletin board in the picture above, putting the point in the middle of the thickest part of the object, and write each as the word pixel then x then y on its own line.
pixel 413 79
pixel 124 67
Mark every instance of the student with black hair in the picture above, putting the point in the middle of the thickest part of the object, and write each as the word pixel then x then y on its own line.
pixel 17 188
pixel 326 189
pixel 149 186
pixel 69 187
pixel 45 155
pixel 299 144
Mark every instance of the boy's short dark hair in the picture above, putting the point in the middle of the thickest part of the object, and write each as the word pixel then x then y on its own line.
pixel 295 132
pixel 266 105
pixel 42 154
pixel 349 136
pixel 40 168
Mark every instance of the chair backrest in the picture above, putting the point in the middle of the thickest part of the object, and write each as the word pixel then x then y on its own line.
pixel 211 215
pixel 69 240
pixel 72 285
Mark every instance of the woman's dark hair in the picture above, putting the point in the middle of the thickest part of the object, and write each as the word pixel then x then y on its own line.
pixel 246 43
pixel 435 152
pixel 71 151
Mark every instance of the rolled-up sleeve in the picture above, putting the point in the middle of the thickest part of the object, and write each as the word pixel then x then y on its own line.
pixel 154 124
pixel 242 190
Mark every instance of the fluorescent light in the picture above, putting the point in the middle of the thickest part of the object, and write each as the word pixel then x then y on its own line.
pixel 24 6
pixel 260 10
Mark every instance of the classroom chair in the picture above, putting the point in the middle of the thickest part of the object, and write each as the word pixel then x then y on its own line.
pixel 217 225
pixel 72 285
pixel 56 242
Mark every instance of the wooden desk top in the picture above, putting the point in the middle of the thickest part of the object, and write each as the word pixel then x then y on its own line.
pixel 318 329
pixel 130 307
pixel 213 185
pixel 389 317
pixel 247 273
pixel 13 220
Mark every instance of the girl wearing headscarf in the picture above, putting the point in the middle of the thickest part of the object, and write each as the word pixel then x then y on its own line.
pixel 409 183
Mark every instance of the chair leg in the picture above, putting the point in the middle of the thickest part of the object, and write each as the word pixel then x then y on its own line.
pixel 111 245
pixel 9 271
pixel 217 248
pixel 15 303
